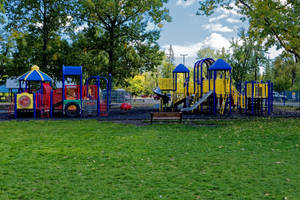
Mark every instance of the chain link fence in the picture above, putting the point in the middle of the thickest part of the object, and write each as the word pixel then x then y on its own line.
pixel 287 98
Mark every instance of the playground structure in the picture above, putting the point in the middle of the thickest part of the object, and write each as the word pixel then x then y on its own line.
pixel 212 91
pixel 37 96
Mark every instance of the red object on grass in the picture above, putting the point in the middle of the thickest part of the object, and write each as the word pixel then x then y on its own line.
pixel 125 106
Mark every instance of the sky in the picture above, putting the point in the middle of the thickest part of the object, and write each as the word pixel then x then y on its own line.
pixel 188 32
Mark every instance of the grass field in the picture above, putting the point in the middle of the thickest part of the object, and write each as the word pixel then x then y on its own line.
pixel 257 159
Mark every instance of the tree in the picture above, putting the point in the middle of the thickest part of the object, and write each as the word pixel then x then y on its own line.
pixel 142 84
pixel 118 30
pixel 2 6
pixel 268 74
pixel 208 52
pixel 166 68
pixel 41 23
pixel 286 72
pixel 246 58
pixel 271 21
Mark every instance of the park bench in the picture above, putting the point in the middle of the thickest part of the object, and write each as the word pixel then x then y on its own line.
pixel 165 116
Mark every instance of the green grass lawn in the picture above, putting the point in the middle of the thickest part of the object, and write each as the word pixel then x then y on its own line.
pixel 256 159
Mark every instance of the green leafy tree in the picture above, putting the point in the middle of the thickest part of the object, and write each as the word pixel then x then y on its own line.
pixel 286 72
pixel 268 74
pixel 276 22
pixel 142 84
pixel 41 23
pixel 118 32
pixel 208 52
pixel 166 68
pixel 246 58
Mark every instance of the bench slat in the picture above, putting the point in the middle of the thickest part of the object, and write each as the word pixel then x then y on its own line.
pixel 166 116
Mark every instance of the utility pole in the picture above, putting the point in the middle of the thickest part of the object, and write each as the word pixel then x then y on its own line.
pixel 171 58
pixel 183 57
pixel 171 55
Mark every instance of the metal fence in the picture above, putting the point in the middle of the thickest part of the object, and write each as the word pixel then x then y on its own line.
pixel 287 98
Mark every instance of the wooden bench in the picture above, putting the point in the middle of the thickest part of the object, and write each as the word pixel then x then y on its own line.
pixel 166 116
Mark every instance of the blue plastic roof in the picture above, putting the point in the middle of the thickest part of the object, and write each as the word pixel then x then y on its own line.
pixel 181 69
pixel 220 65
pixel 35 75
pixel 72 70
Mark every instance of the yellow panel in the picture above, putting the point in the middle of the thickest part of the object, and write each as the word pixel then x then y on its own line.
pixel 165 83
pixel 25 101
pixel 206 86
pixel 191 88
pixel 249 90
pixel 260 90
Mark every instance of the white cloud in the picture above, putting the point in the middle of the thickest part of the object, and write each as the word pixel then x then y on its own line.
pixel 190 49
pixel 233 11
pixel 217 41
pixel 213 19
pixel 273 52
pixel 185 3
pixel 231 20
pixel 80 28
pixel 217 28
pixel 214 41
pixel 38 25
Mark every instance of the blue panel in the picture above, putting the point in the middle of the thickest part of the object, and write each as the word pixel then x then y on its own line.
pixel 181 69
pixel 220 65
pixel 72 70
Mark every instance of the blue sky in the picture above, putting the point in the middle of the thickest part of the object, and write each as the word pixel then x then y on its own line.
pixel 189 32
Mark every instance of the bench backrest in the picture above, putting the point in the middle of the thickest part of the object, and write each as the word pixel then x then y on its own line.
pixel 166 114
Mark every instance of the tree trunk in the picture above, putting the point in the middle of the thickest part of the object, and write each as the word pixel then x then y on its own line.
pixel 111 59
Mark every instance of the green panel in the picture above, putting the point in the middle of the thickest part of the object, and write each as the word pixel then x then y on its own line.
pixel 71 100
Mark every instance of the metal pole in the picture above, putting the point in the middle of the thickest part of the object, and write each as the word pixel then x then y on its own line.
pixel 98 99
pixel 252 98
pixel 246 98
pixel 81 114
pixel 51 104
pixel 230 93
pixel 261 100
pixel 201 80
pixel 215 73
pixel 63 89
pixel 269 98
pixel 34 106
pixel 284 98
pixel 15 107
